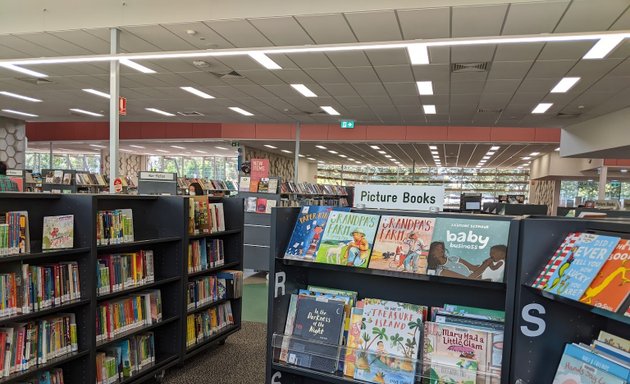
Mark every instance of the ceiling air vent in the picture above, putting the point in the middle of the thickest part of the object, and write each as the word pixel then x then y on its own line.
pixel 190 114
pixel 563 115
pixel 35 80
pixel 489 110
pixel 469 67
pixel 231 75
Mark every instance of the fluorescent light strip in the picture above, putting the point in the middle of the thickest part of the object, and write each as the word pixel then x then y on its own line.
pixel 159 111
pixel 429 109
pixel 565 84
pixel 124 150
pixel 495 148
pixel 301 155
pixel 223 148
pixel 177 147
pixel 526 158
pixel 418 54
pixel 84 112
pixel 136 146
pixel 264 60
pixel 97 93
pixel 312 159
pixel 23 70
pixel 136 66
pixel 285 151
pixel 197 92
pixel 542 108
pixel 425 87
pixel 98 146
pixel 241 111
pixel 16 96
pixel 375 147
pixel 344 156
pixel 202 152
pixel 433 147
pixel 603 47
pixel 303 89
pixel 320 147
pixel 161 150
pixel 270 146
pixel 330 110
pixel 382 152
pixel 333 152
pixel 534 154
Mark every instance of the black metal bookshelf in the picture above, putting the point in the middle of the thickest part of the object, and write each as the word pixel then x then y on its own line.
pixel 287 276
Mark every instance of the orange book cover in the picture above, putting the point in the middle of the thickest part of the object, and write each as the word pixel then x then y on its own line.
pixel 611 286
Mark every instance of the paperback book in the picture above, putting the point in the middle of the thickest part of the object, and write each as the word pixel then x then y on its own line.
pixel 402 244
pixel 583 366
pixel 307 232
pixel 347 239
pixel 557 259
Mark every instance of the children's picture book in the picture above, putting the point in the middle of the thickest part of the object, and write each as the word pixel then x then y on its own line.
pixel 317 331
pixel 579 268
pixel 582 366
pixel 354 339
pixel 557 259
pixel 67 178
pixel 614 341
pixel 402 243
pixel 263 185
pixel 308 230
pixel 250 204
pixel 58 232
pixel 270 204
pixel 389 342
pixel 57 177
pixel 611 285
pixel 348 239
pixel 243 185
pixel 452 370
pixel 469 249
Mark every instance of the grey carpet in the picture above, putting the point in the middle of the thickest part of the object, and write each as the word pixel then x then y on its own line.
pixel 240 361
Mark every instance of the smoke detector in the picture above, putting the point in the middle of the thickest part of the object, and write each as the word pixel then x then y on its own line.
pixel 201 64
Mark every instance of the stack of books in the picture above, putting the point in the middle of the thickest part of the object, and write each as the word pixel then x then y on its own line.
pixel 125 358
pixel 14 233
pixel 205 254
pixel 210 322
pixel 114 227
pixel 123 315
pixel 122 271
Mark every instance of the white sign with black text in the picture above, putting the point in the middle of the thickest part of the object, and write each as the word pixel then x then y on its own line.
pixel 404 197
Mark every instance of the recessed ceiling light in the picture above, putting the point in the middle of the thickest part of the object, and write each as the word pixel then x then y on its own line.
pixel 202 152
pixel 382 152
pixel 358 162
pixel 534 154
pixel 435 152
pixel 623 171
pixel 525 164
pixel 603 47
pixel 429 109
pixel 98 146
pixel 333 152
pixel 136 66
pixel 124 150
pixel 241 111
pixel 285 151
pixel 161 150
pixel 84 112
pixel 490 153
pixel 19 113
pixel 495 148
pixel 320 161
pixel 312 159
pixel 425 87
pixel 16 96
pixel 565 84
pixel 388 156
pixel 136 146
pixel 96 92
pixel 519 167
pixel 344 156
pixel 177 147
pixel 393 160
pixel 486 157
pixel 264 60
pixel 542 108
pixel 159 111
pixel 223 148
pixel 197 92
pixel 270 146
pixel 301 155
pixel 23 70
pixel 526 158
pixel 330 110
pixel 303 89
pixel 320 147
pixel 557 149
pixel 375 147
pixel 418 54
pixel 350 159
pixel 433 147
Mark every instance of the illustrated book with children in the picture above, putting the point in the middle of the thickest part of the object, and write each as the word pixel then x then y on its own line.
pixel 308 230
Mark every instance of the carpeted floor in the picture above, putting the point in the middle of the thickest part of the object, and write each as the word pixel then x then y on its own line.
pixel 240 361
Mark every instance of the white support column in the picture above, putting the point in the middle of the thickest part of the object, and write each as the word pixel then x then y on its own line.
pixel 114 119
pixel 298 127
pixel 603 177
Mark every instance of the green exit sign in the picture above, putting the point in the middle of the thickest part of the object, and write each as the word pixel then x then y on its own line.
pixel 347 123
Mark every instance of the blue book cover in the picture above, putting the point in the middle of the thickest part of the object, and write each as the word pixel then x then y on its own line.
pixel 579 365
pixel 317 331
pixel 469 249
pixel 308 231
pixel 578 269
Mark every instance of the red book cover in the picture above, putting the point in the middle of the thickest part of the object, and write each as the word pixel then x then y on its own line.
pixel 611 285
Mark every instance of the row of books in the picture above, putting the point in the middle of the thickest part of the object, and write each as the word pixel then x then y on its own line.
pixel 125 358
pixel 300 201
pixel 205 324
pixel 54 376
pixel 114 227
pixel 456 248
pixel 205 217
pixel 380 341
pixel 87 179
pixel 118 272
pixel 205 290
pixel 312 189
pixel 207 185
pixel 128 313
pixel 57 233
pixel 27 345
pixel 233 282
pixel 605 360
pixel 262 185
pixel 259 205
pixel 205 254
pixel 589 268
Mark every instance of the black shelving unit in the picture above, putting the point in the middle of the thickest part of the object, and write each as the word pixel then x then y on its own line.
pixel 233 250
pixel 287 276
pixel 257 232
pixel 545 322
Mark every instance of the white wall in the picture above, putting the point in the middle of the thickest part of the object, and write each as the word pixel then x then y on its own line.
pixel 606 136
pixel 307 171
pixel 552 165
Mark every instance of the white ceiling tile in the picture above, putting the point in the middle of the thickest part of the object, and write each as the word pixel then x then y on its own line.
pixel 360 74
pixel 588 15
pixel 293 76
pixel 594 68
pixel 440 55
pixel 517 52
pixel 565 51
pixel 262 76
pixel 351 101
pixel 374 26
pixel 239 63
pixel 239 32
pixel 472 99
pixel 623 22
pixel 388 57
pixel 550 68
pixel 434 72
pixel 348 59
pixel 203 38
pixel 29 48
pixel 370 89
pixel 509 69
pixel 478 20
pixel 469 76
pixel 538 85
pixel 327 29
pixel 432 23
pixel 467 87
pixel 471 54
pixel 401 89
pixel 325 75
pixel 531 18
pixel 501 86
pixel 282 31
pixel 201 78
pixel 160 37
pixel 494 100
pixel 622 69
pixel 84 40
pixel 395 73
pixel 339 90
pixel 311 60
pixel 406 100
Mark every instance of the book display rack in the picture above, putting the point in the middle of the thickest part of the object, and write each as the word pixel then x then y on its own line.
pixel 133 288
pixel 289 276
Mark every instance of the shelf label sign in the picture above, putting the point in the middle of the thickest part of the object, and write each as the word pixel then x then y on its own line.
pixel 162 176
pixel 404 197
pixel 347 124
pixel 530 314
pixel 14 172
